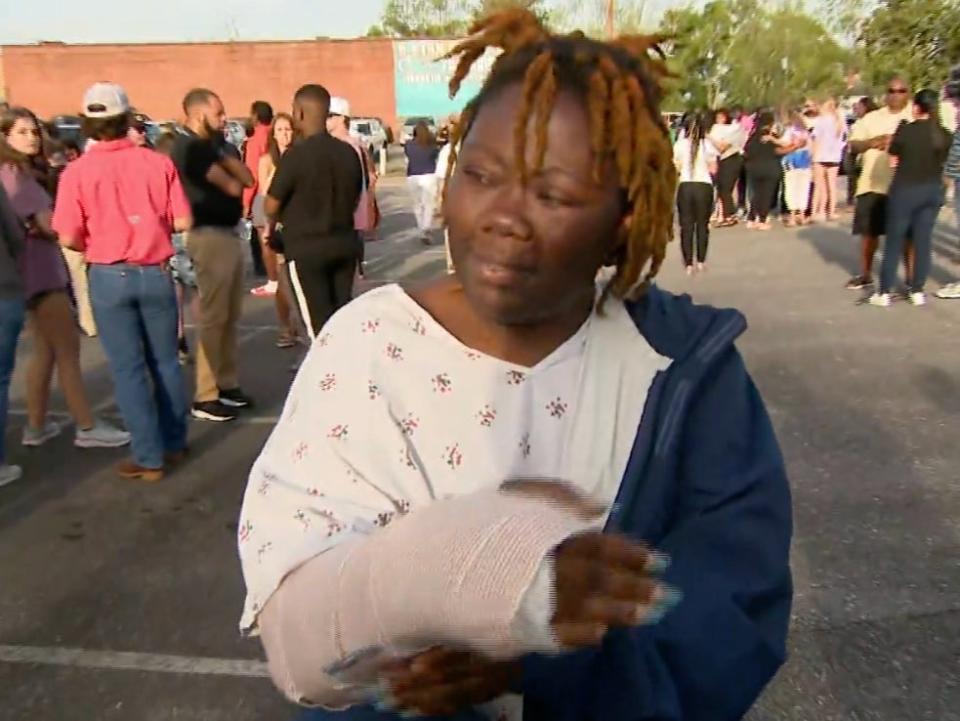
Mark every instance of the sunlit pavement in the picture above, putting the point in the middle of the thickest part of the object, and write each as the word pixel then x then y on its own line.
pixel 120 600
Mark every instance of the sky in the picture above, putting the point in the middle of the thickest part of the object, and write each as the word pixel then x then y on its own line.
pixel 98 21
pixel 113 21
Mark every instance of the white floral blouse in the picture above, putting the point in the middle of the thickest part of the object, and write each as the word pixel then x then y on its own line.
pixel 390 411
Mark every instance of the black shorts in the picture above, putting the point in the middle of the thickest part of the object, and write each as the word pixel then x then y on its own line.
pixel 870 215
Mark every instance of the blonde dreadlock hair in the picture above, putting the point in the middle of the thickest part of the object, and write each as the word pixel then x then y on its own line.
pixel 620 82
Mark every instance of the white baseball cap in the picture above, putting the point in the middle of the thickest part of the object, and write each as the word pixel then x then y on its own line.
pixel 104 100
pixel 339 106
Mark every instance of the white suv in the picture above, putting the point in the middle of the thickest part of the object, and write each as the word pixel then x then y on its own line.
pixel 371 133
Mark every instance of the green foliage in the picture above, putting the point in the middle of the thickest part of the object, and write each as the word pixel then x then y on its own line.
pixel 920 38
pixel 745 52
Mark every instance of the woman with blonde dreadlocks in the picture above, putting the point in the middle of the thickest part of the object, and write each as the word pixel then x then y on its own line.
pixel 509 494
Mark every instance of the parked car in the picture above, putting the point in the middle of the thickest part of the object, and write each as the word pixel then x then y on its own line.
pixel 371 133
pixel 406 131
pixel 69 127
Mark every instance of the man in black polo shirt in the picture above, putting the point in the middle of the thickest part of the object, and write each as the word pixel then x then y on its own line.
pixel 214 179
pixel 314 195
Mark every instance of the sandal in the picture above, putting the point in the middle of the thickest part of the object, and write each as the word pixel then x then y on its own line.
pixel 285 340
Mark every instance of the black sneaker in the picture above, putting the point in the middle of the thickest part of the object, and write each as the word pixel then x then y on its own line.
pixel 235 398
pixel 212 411
pixel 859 282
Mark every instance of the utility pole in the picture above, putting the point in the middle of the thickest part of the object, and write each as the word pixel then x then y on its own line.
pixel 611 13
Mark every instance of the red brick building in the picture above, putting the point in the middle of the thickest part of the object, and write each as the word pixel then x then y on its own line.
pixel 50 78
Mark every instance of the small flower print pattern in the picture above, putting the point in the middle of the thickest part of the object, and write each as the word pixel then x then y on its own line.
pixel 300 452
pixel 419 328
pixel 328 383
pixel 301 517
pixel 323 340
pixel 557 408
pixel 473 355
pixel 245 530
pixel 263 487
pixel 403 507
pixel 515 378
pixel 373 390
pixel 371 326
pixel 442 384
pixel 263 550
pixel 333 525
pixel 452 456
pixel 315 492
pixel 394 352
pixel 409 424
pixel 339 432
pixel 384 519
pixel 525 445
pixel 487 416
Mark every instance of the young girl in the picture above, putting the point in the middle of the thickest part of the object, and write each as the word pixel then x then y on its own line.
pixel 797 170
pixel 46 289
pixel 391 556
pixel 829 134
pixel 281 138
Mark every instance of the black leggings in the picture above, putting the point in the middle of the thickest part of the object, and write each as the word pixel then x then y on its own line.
pixel 694 205
pixel 728 173
pixel 763 194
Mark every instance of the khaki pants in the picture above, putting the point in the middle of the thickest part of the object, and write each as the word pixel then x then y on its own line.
pixel 218 261
pixel 77 267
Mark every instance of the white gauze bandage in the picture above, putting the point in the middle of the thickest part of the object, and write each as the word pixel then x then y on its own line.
pixel 454 574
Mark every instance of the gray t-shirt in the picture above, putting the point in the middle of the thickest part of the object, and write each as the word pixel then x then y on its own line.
pixel 11 245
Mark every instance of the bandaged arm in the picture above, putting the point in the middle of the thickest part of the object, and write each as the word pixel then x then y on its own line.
pixel 466 572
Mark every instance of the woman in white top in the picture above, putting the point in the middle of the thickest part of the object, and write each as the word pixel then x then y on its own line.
pixel 386 560
pixel 696 161
pixel 728 138
pixel 829 133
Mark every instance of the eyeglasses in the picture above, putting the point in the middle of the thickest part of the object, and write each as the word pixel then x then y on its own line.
pixel 897 91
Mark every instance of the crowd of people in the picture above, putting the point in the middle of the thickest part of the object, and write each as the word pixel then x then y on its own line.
pixel 393 562
pixel 132 231
pixel 900 160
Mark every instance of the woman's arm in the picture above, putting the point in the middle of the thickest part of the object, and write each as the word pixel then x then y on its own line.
pixel 730 540
pixel 265 170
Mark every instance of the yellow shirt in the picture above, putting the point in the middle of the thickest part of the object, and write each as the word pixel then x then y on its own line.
pixel 875 171
pixel 949 115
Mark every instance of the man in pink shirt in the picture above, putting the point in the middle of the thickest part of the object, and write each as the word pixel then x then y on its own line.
pixel 119 204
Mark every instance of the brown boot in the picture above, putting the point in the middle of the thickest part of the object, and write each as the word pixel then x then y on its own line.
pixel 134 472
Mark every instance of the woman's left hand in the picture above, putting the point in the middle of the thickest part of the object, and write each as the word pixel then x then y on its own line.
pixel 442 682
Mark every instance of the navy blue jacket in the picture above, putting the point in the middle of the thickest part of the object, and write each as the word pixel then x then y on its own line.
pixel 706 483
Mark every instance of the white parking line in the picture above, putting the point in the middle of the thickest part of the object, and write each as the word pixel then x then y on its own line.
pixel 130 661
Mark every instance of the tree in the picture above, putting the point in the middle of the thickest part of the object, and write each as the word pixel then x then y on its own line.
pixel 739 51
pixel 421 18
pixel 920 38
pixel 442 18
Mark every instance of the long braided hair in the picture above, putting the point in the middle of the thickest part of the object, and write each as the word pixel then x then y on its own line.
pixel 620 82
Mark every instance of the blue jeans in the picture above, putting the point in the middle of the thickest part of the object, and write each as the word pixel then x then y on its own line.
pixel 913 210
pixel 11 322
pixel 136 312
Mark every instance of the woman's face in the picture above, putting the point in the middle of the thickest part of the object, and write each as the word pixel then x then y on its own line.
pixel 24 137
pixel 283 133
pixel 528 253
